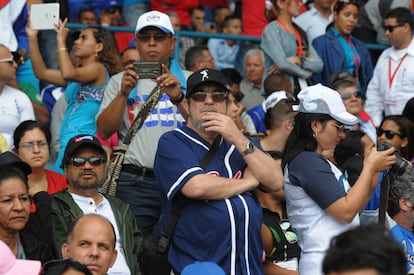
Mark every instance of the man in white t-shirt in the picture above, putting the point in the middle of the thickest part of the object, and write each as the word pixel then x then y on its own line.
pixel 15 106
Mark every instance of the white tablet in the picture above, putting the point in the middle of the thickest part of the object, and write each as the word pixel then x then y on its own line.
pixel 44 16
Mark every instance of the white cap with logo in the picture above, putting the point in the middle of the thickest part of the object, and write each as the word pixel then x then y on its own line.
pixel 324 100
pixel 154 19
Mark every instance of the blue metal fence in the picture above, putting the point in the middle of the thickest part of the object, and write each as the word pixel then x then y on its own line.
pixel 178 34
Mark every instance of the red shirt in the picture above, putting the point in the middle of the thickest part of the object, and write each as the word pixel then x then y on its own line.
pixel 181 7
pixel 253 17
pixel 55 183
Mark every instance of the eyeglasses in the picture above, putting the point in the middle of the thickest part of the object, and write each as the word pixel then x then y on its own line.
pixel 391 28
pixel 290 235
pixel 80 161
pixel 389 134
pixel 339 127
pixel 31 145
pixel 200 96
pixel 10 60
pixel 356 94
pixel 159 37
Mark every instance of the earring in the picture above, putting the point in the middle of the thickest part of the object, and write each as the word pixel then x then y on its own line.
pixel 96 54
pixel 315 135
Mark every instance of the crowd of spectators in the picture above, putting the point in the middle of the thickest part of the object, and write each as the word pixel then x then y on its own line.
pixel 310 94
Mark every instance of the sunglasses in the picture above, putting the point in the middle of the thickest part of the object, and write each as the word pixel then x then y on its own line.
pixel 389 134
pixel 339 127
pixel 159 37
pixel 391 28
pixel 201 96
pixel 80 161
pixel 356 94
pixel 10 60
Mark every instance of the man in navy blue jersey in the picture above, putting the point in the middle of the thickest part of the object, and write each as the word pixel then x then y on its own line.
pixel 221 219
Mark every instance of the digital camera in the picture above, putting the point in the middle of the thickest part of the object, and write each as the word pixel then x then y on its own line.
pixel 148 70
pixel 400 165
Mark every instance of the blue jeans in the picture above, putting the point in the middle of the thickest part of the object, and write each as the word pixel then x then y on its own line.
pixel 143 195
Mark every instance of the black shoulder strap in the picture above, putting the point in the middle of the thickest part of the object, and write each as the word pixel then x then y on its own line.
pixel 165 238
pixel 385 186
pixel 210 154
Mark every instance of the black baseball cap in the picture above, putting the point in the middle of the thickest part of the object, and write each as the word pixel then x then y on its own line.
pixel 8 159
pixel 79 141
pixel 204 76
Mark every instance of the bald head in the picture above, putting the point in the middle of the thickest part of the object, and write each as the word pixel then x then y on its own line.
pixel 91 241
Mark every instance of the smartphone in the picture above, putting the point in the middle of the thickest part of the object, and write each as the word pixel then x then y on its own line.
pixel 148 70
pixel 44 16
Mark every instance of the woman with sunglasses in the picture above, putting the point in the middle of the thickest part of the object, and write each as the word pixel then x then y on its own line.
pixel 31 144
pixel 286 45
pixel 320 202
pixel 339 50
pixel 96 53
pixel 398 131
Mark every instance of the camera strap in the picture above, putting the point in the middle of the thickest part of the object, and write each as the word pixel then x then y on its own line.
pixel 111 182
pixel 385 187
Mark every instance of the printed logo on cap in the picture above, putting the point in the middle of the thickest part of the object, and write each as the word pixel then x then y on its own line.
pixel 310 105
pixel 83 138
pixel 152 18
pixel 204 75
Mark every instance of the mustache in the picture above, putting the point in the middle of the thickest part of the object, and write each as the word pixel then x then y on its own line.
pixel 209 109
pixel 87 172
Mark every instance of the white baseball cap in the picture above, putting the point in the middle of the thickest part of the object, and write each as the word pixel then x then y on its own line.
pixel 154 19
pixel 274 98
pixel 324 100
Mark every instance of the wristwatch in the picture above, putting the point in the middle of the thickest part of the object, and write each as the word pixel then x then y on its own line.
pixel 177 101
pixel 249 149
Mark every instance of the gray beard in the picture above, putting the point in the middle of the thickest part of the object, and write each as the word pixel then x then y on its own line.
pixel 197 124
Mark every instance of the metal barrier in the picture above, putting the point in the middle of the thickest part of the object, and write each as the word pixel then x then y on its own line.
pixel 178 34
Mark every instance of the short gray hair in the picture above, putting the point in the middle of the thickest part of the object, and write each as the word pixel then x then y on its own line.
pixel 253 52
pixel 401 187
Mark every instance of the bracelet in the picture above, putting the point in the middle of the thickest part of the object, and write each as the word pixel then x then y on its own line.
pixel 62 50
pixel 178 100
